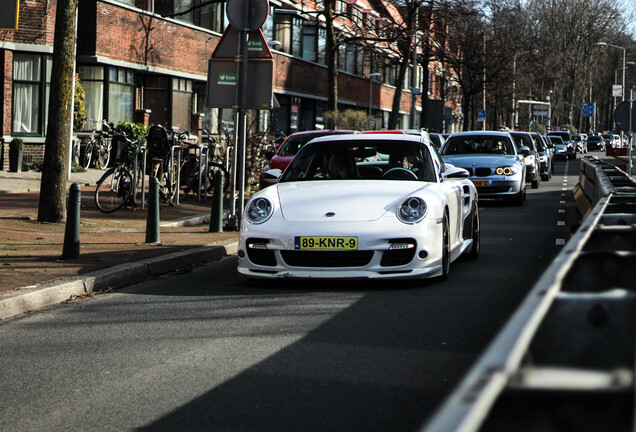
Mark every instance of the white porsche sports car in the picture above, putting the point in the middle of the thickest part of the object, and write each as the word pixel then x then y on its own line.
pixel 361 206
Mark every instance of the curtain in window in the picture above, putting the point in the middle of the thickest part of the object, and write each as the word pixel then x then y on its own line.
pixel 120 103
pixel 26 95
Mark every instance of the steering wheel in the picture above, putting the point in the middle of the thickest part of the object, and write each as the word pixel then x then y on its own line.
pixel 400 174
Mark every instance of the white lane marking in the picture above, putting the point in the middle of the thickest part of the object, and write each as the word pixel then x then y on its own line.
pixel 561 210
pixel 560 242
pixel 560 223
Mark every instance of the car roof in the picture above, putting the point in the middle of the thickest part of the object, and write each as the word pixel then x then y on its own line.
pixel 482 133
pixel 369 137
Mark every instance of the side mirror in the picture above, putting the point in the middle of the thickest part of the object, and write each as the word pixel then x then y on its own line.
pixel 453 172
pixel 524 150
pixel 272 174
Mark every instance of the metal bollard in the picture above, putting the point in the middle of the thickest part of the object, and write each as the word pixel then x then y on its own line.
pixel 152 221
pixel 71 246
pixel 216 217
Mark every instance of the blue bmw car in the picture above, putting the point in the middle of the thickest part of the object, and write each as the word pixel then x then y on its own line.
pixel 493 162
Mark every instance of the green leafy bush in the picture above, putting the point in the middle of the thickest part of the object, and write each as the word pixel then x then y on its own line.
pixel 16 144
pixel 136 131
pixel 79 106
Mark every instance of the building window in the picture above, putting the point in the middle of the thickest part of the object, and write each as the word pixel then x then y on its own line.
pixel 268 25
pixel 121 95
pixel 212 17
pixel 289 31
pixel 92 79
pixel 175 8
pixel 310 42
pixel 181 103
pixel 31 81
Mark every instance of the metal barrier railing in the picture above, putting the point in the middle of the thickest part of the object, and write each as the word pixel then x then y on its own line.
pixel 566 358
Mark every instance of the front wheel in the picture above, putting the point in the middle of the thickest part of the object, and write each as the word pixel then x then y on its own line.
pixel 103 154
pixel 114 189
pixel 475 236
pixel 85 160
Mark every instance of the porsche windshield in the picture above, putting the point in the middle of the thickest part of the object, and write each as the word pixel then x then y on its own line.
pixel 365 159
pixel 478 144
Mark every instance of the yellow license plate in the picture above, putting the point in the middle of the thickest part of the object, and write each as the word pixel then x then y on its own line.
pixel 326 242
pixel 481 183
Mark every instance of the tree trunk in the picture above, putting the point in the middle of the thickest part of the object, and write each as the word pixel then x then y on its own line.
pixel 332 62
pixel 53 183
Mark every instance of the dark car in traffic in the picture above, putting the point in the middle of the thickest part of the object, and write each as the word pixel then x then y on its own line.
pixel 570 147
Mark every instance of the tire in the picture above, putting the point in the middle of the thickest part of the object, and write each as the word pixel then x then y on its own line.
pixel 168 184
pixel 536 183
pixel 113 190
pixel 103 154
pixel 85 159
pixel 518 199
pixel 445 249
pixel 475 235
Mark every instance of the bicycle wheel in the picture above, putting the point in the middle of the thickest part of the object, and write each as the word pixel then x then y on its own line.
pixel 87 155
pixel 103 153
pixel 113 189
pixel 168 183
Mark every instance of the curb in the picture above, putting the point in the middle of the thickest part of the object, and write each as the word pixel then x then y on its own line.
pixel 30 299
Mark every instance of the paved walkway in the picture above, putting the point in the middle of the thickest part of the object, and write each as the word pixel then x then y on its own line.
pixel 30 251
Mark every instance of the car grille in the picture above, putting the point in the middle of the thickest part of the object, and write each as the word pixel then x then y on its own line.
pixel 397 257
pixel 479 172
pixel 327 258
pixel 483 172
pixel 262 257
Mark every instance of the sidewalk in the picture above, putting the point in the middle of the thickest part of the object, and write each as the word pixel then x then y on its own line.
pixel 30 251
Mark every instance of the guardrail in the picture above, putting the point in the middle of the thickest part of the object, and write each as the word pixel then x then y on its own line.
pixel 566 359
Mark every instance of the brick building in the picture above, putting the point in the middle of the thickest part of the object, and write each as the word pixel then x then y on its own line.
pixel 146 61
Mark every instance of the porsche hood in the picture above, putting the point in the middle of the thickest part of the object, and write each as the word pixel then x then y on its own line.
pixel 346 200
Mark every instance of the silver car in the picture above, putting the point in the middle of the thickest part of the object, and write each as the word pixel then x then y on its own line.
pixel 531 161
pixel 493 161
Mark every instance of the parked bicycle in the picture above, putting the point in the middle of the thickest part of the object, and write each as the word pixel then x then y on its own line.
pixel 97 147
pixel 163 160
pixel 118 186
pixel 216 161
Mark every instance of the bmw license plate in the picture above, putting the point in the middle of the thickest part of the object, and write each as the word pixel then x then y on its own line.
pixel 481 183
pixel 326 242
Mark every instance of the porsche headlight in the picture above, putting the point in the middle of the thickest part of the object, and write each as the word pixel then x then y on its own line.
pixel 412 210
pixel 259 210
pixel 507 171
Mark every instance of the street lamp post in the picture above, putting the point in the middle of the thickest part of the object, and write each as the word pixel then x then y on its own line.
pixel 371 76
pixel 514 73
pixel 623 99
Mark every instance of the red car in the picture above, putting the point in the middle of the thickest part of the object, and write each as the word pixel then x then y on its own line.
pixel 288 149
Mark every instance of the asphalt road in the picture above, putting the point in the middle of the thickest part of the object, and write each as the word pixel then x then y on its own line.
pixel 208 350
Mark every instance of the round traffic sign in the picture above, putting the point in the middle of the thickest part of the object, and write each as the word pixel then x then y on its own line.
pixel 247 15
pixel 622 115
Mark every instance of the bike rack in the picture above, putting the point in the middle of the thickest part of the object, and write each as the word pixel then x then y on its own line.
pixel 139 151
pixel 204 151
pixel 178 173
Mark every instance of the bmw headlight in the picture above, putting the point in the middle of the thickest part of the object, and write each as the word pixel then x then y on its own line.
pixel 543 158
pixel 412 210
pixel 507 171
pixel 528 161
pixel 259 210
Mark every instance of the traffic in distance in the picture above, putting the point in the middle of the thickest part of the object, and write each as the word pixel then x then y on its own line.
pixel 387 204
